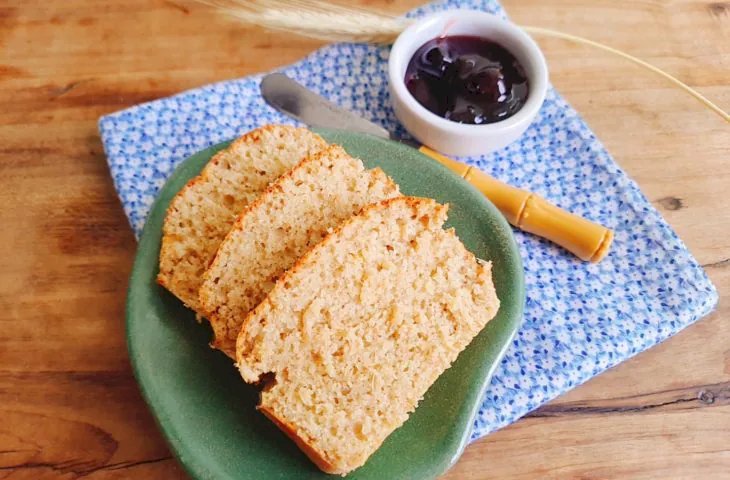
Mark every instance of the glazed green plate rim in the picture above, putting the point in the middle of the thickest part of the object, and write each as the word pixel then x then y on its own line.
pixel 424 447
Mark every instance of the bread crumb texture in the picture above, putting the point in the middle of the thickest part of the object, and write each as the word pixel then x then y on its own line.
pixel 201 214
pixel 358 330
pixel 273 232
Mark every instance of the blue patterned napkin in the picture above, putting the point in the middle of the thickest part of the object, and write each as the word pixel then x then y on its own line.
pixel 580 319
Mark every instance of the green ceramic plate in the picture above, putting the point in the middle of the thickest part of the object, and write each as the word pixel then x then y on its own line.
pixel 207 412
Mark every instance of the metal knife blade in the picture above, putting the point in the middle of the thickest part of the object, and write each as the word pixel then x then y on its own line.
pixel 295 100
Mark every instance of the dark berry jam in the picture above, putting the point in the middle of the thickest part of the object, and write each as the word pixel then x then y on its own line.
pixel 467 79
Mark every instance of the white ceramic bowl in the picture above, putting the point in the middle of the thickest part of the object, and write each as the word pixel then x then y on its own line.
pixel 450 137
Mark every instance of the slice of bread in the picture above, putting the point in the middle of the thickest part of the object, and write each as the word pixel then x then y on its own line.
pixel 201 214
pixel 358 330
pixel 290 217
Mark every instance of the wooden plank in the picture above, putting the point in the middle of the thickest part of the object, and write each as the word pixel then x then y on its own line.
pixel 69 403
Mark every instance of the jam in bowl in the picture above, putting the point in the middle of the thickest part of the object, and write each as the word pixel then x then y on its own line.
pixel 467 79
pixel 466 82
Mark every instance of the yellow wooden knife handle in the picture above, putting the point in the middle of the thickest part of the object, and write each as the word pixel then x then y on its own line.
pixel 531 213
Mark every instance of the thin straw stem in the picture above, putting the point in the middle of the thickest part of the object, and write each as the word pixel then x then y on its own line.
pixel 584 41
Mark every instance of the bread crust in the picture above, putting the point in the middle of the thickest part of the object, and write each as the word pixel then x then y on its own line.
pixel 303 444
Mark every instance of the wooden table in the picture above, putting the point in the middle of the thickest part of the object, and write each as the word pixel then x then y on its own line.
pixel 69 406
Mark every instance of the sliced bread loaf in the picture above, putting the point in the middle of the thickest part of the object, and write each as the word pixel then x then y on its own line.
pixel 358 330
pixel 291 216
pixel 201 214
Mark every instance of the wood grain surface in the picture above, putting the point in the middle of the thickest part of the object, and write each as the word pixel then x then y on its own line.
pixel 69 406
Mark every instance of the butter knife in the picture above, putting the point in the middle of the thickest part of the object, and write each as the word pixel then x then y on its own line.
pixel 525 210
